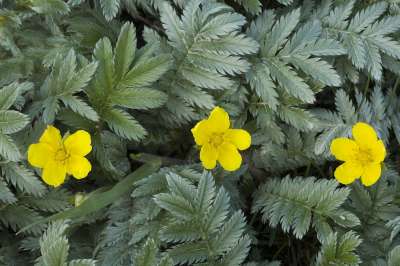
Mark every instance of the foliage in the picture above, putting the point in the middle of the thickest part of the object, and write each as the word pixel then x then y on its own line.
pixel 54 248
pixel 139 74
pixel 200 226
pixel 300 202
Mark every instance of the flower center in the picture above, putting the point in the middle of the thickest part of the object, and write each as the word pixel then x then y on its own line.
pixel 217 139
pixel 61 155
pixel 365 156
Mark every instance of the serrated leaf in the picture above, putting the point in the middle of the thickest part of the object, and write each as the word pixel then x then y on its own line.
pixel 9 93
pixel 148 72
pixel 289 80
pixel 124 125
pixel 125 50
pixel 110 8
pixel 80 107
pixel 8 148
pixel 49 7
pixel 139 98
pixel 24 179
pixel 80 79
pixel 173 26
pixel 12 121
pixel 6 195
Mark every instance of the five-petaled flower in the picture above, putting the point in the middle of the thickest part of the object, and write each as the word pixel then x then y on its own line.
pixel 59 157
pixel 220 143
pixel 362 156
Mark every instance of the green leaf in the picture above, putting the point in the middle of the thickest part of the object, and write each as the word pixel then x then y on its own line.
pixel 6 195
pixel 125 50
pixel 124 125
pixel 23 179
pixel 17 216
pixel 147 72
pixel 299 118
pixel 339 251
pixel 280 31
pixel 9 93
pixel 235 44
pixel 147 257
pixel 318 69
pixel 105 71
pixel 366 17
pixel 223 64
pixel 221 24
pixel 85 262
pixel 173 26
pixel 238 254
pixel 252 6
pixel 79 106
pixel 177 205
pixel 289 80
pixel 230 233
pixel 139 99
pixel 54 201
pixel 49 7
pixel 12 121
pixel 8 148
pixel 205 78
pixel 299 203
pixel 54 245
pixel 260 81
pixel 110 8
pixel 80 79
pixel 189 253
pixel 205 192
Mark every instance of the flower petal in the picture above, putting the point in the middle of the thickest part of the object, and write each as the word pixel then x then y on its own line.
pixel 78 143
pixel 364 134
pixel 52 137
pixel 208 156
pixel 39 154
pixel 201 132
pixel 54 173
pixel 378 151
pixel 239 137
pixel 371 174
pixel 344 149
pixel 348 172
pixel 78 166
pixel 229 157
pixel 219 120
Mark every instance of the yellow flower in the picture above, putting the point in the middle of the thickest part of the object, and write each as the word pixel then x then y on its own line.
pixel 220 143
pixel 59 157
pixel 362 156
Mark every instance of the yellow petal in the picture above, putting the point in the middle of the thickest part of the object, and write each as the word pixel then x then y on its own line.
pixel 219 120
pixel 239 137
pixel 364 134
pixel 39 154
pixel 348 172
pixel 208 156
pixel 229 157
pixel 78 166
pixel 52 137
pixel 371 174
pixel 54 173
pixel 344 149
pixel 201 132
pixel 378 151
pixel 78 143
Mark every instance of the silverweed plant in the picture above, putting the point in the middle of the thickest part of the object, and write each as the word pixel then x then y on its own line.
pixel 199 132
